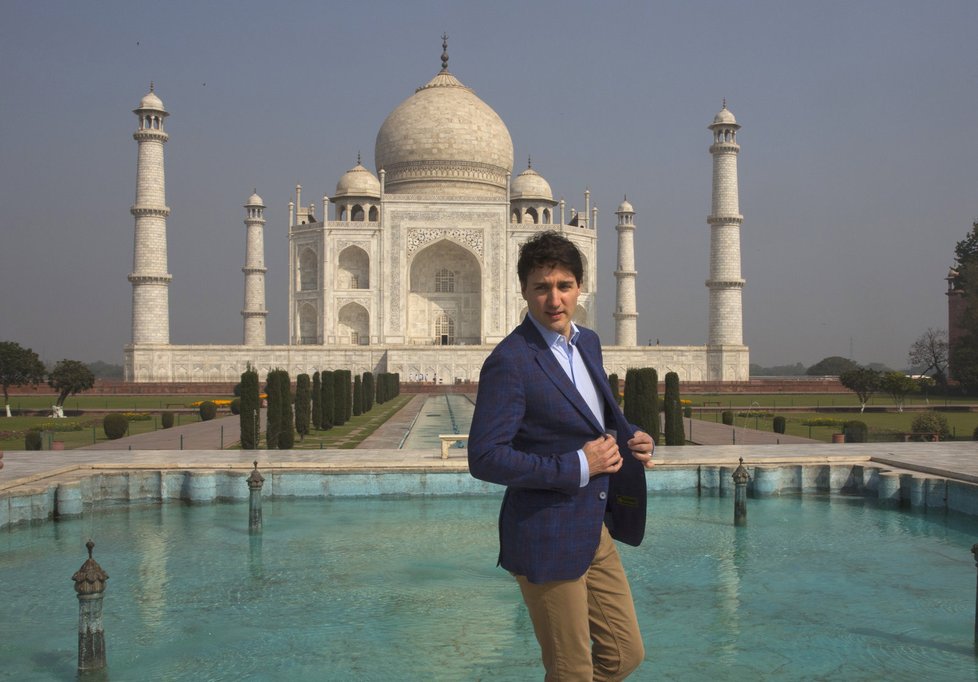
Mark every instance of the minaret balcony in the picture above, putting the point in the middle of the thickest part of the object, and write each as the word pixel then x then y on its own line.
pixel 725 219
pixel 726 283
pixel 150 279
pixel 150 135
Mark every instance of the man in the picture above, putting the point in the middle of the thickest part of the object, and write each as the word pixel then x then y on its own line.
pixel 547 427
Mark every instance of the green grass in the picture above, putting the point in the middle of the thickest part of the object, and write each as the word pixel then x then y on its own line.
pixel 74 432
pixel 818 400
pixel 883 426
pixel 137 403
pixel 351 434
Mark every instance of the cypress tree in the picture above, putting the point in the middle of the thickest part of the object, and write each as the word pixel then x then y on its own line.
pixel 316 416
pixel 339 406
pixel 368 391
pixel 397 384
pixel 286 434
pixel 328 399
pixel 357 396
pixel 303 405
pixel 348 379
pixel 381 388
pixel 250 406
pixel 642 400
pixel 273 416
pixel 675 433
pixel 615 390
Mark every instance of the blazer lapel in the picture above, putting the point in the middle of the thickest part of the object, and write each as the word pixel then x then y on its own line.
pixel 548 363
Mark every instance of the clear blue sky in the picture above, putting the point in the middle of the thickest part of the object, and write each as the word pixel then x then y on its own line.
pixel 857 166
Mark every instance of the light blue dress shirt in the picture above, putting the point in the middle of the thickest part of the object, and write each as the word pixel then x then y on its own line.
pixel 570 360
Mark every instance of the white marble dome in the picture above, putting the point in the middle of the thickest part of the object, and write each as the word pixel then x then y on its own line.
pixel 358 182
pixel 625 207
pixel 255 200
pixel 151 101
pixel 444 140
pixel 724 116
pixel 530 185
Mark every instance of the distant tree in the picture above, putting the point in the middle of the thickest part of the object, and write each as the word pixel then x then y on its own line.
pixel 316 417
pixel 795 370
pixel 286 434
pixel 250 407
pixel 303 405
pixel 273 415
pixel 674 432
pixel 104 370
pixel 928 355
pixel 18 366
pixel 368 391
pixel 834 365
pixel 341 392
pixel 897 385
pixel 357 396
pixel 381 393
pixel 931 422
pixel 615 387
pixel 862 381
pixel 641 406
pixel 70 377
pixel 329 400
pixel 963 354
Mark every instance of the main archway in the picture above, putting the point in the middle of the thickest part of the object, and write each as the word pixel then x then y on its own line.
pixel 445 296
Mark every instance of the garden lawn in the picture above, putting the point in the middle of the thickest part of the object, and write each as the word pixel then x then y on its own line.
pixel 136 403
pixel 74 432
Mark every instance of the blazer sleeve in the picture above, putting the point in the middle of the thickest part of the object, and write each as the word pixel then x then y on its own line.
pixel 501 411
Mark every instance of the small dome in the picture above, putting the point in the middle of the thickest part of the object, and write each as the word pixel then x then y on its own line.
pixel 358 182
pixel 724 116
pixel 530 185
pixel 625 207
pixel 255 200
pixel 151 101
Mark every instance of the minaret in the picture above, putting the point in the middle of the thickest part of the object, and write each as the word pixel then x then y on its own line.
pixel 150 280
pixel 254 269
pixel 626 317
pixel 725 283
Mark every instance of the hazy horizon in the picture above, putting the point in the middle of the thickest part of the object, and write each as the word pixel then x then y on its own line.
pixel 857 163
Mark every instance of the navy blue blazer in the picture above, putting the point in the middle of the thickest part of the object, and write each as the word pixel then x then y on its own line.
pixel 529 422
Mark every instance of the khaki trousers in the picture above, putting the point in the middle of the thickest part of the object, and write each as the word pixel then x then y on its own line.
pixel 568 615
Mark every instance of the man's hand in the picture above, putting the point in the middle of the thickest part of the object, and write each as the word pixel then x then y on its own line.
pixel 602 455
pixel 642 446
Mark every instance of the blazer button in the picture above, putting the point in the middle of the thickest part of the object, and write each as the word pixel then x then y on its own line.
pixel 602 495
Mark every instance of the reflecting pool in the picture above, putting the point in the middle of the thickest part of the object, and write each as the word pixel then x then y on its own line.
pixel 827 588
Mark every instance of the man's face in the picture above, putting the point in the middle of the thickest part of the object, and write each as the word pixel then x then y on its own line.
pixel 551 297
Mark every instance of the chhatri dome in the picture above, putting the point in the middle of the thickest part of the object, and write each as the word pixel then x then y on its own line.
pixel 255 200
pixel 358 182
pixel 530 185
pixel 724 116
pixel 151 101
pixel 443 137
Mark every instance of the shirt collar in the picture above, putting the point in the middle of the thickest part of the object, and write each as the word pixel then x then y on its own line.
pixel 552 338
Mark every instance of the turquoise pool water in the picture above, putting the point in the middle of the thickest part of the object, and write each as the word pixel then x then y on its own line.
pixel 445 413
pixel 826 588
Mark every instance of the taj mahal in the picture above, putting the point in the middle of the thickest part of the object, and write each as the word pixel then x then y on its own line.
pixel 412 269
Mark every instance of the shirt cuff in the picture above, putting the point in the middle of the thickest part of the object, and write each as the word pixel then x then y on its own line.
pixel 585 470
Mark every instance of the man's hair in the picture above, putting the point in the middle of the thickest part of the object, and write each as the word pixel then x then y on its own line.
pixel 549 249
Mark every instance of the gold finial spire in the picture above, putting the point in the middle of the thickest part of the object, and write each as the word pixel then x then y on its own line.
pixel 444 52
pixel 151 86
pixel 529 162
pixel 724 102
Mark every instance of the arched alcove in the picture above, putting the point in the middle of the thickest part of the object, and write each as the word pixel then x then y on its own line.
pixel 445 279
pixel 308 324
pixel 308 270
pixel 354 269
pixel 354 324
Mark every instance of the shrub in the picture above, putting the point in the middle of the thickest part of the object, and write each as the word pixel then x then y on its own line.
pixel 286 435
pixel 855 431
pixel 115 426
pixel 727 417
pixel 615 387
pixel 974 434
pixel 32 440
pixel 167 420
pixel 250 404
pixel 368 391
pixel 779 424
pixel 303 404
pixel 687 412
pixel 236 406
pixel 675 433
pixel 931 422
pixel 273 415
pixel 328 400
pixel 316 402
pixel 208 410
pixel 357 396
pixel 641 406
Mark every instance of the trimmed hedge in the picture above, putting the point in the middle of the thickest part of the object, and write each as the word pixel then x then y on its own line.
pixel 166 419
pixel 115 426
pixel 208 410
pixel 303 404
pixel 779 424
pixel 32 440
pixel 642 400
pixel 250 405
pixel 931 422
pixel 236 406
pixel 727 417
pixel 856 431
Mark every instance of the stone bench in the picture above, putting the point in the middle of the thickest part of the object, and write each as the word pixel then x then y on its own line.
pixel 449 439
